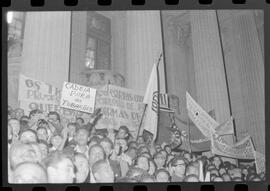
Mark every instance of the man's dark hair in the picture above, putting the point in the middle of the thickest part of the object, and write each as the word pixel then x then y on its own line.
pixel 34 112
pixel 107 140
pixel 24 125
pixel 79 118
pixel 163 170
pixel 24 116
pixel 56 114
pixel 76 125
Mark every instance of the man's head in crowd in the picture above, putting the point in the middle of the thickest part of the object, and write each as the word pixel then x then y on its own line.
pixel 226 177
pixel 142 162
pixel 131 152
pixel 188 157
pixel 96 153
pixel 162 175
pixel 29 173
pixel 193 168
pixel 135 173
pixel 222 170
pixel 132 144
pixel 168 149
pixel 160 160
pixel 42 133
pixel 94 140
pixel 191 178
pixel 82 166
pixel 14 125
pixel 82 136
pixel 178 166
pixel 140 140
pixel 28 136
pixel 102 171
pixel 216 160
pixel 80 121
pixel 24 118
pixel 19 113
pixel 56 140
pixel 60 168
pixel 235 173
pixel 142 149
pixel 120 146
pixel 54 117
pixel 218 179
pixel 20 152
pixel 147 178
pixel 33 113
pixel 72 127
pixel 123 132
pixel 44 148
pixel 107 145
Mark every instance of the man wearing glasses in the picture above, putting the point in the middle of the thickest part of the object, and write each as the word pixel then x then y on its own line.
pixel 178 169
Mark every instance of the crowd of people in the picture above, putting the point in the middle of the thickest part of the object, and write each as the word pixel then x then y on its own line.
pixel 42 150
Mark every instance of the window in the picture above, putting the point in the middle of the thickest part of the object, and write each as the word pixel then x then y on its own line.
pixel 15 33
pixel 98 47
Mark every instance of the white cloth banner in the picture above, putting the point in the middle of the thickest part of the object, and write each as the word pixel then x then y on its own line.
pixel 35 94
pixel 119 106
pixel 244 149
pixel 225 128
pixel 151 98
pixel 200 117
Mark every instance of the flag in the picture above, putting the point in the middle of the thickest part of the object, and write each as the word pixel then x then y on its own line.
pixel 164 103
pixel 225 128
pixel 151 99
pixel 200 117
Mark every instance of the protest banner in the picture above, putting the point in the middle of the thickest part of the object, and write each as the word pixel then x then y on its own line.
pixel 260 162
pixel 78 97
pixel 244 149
pixel 38 91
pixel 119 106
pixel 225 128
pixel 35 94
pixel 200 117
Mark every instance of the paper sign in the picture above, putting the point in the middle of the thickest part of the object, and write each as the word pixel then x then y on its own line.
pixel 78 97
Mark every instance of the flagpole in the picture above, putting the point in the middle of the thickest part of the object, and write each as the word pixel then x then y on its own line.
pixel 141 122
pixel 188 124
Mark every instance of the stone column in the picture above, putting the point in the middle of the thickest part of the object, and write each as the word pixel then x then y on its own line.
pixel 208 64
pixel 209 68
pixel 144 45
pixel 245 66
pixel 46 47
